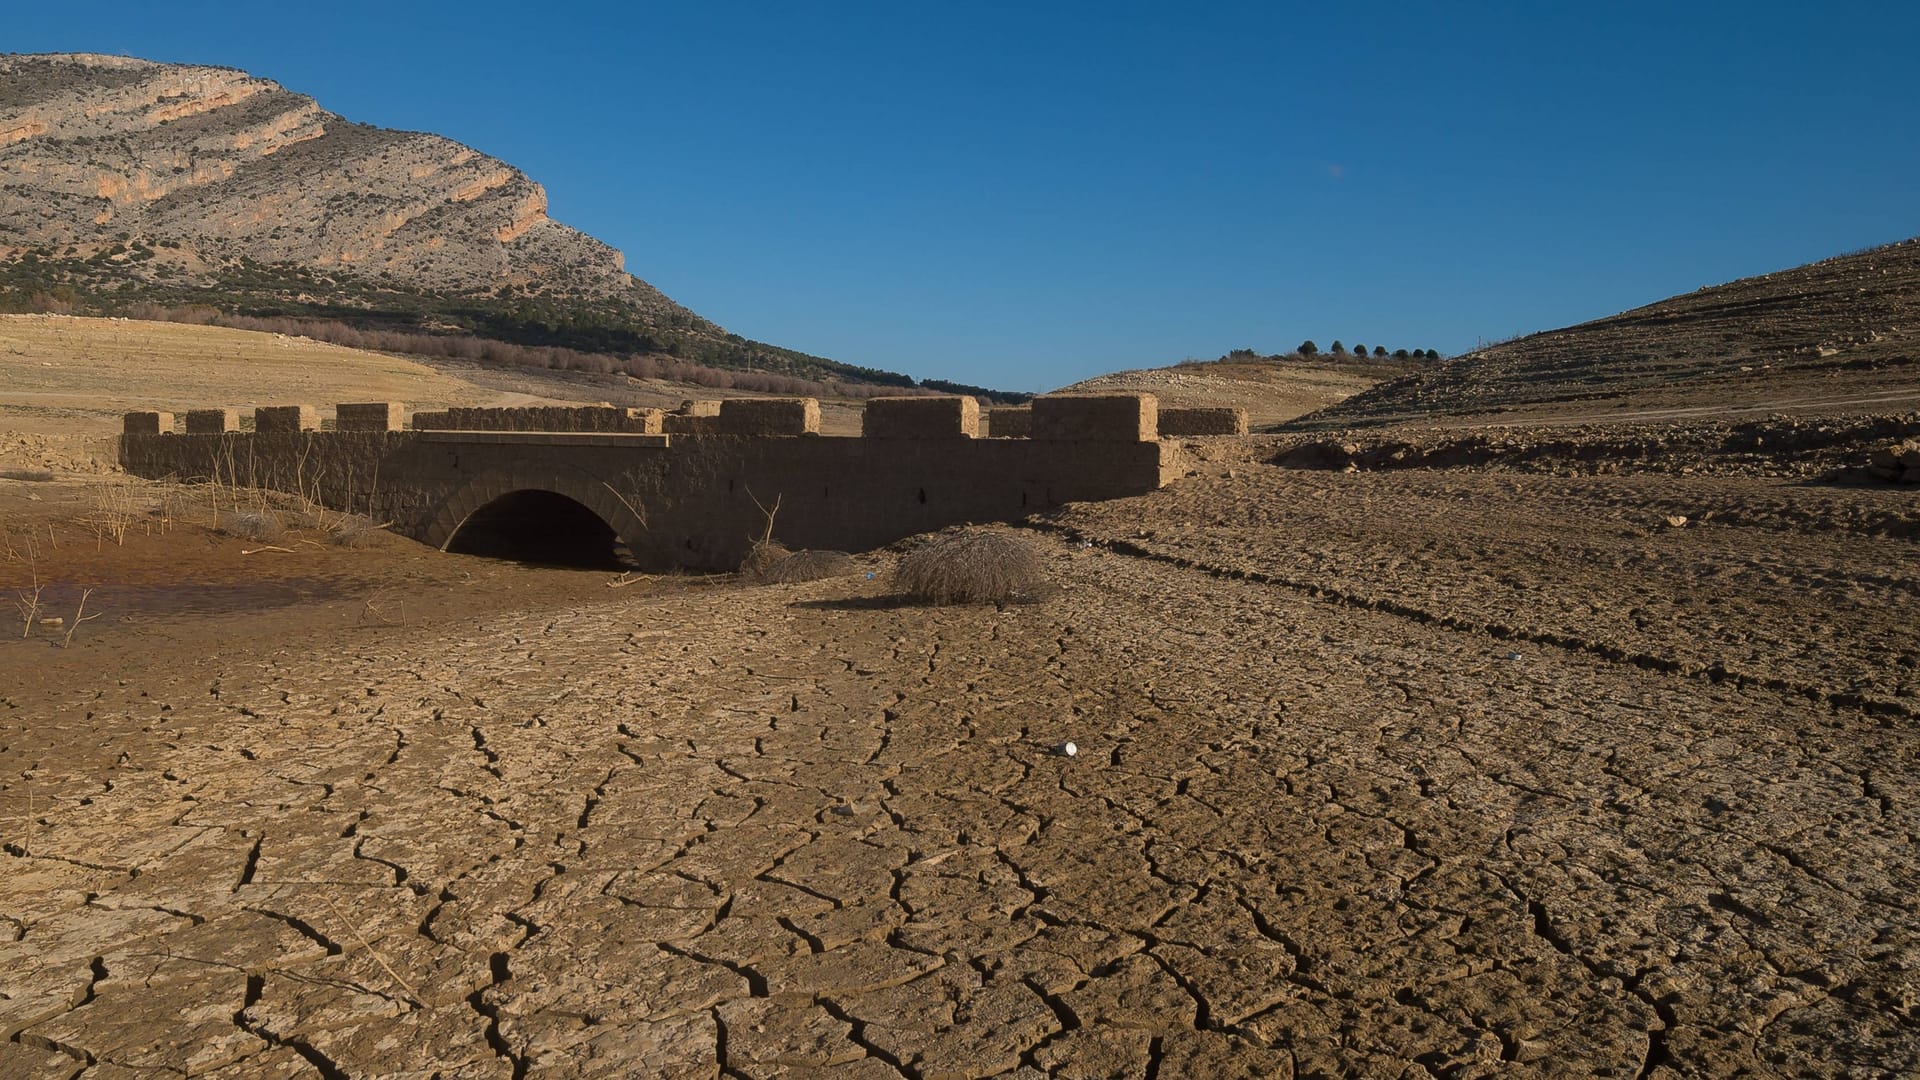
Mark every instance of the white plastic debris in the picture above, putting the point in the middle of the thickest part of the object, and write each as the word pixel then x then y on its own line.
pixel 1066 749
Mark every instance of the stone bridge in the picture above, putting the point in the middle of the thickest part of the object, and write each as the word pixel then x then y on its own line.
pixel 691 489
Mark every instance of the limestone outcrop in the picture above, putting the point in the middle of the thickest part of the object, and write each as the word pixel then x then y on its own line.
pixel 204 167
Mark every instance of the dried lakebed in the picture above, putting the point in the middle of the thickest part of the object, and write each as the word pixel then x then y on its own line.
pixel 1323 820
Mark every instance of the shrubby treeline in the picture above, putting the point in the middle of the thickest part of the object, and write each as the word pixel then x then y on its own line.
pixel 1308 350
pixel 506 329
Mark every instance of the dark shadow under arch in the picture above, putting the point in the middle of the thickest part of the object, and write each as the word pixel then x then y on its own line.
pixel 542 528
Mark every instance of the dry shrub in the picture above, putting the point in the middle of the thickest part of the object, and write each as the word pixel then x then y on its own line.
pixel 810 566
pixel 972 566
pixel 353 533
pixel 761 558
pixel 253 525
pixel 308 516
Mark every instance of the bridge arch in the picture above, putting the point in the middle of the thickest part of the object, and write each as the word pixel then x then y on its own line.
pixel 561 515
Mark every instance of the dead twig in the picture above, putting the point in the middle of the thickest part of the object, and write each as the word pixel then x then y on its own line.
pixel 79 617
pixel 624 580
pixel 412 994
pixel 29 604
pixel 766 534
pixel 269 547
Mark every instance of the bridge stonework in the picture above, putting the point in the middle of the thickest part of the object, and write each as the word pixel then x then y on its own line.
pixel 680 500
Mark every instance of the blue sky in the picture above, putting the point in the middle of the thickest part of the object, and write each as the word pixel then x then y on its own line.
pixel 1022 195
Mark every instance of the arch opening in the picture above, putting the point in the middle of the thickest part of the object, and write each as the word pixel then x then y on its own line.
pixel 540 528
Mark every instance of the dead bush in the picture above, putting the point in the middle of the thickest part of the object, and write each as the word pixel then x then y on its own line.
pixel 972 566
pixel 810 566
pixel 353 533
pixel 761 558
pixel 253 525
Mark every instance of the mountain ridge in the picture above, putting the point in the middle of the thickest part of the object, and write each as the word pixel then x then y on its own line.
pixel 135 184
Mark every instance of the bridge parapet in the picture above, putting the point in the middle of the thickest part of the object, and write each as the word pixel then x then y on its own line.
pixel 952 417
pixel 1096 418
pixel 1203 421
pixel 542 418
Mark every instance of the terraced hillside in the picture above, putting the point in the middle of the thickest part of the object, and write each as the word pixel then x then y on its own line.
pixel 1842 333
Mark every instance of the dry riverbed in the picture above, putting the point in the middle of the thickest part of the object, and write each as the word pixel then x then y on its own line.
pixel 1445 774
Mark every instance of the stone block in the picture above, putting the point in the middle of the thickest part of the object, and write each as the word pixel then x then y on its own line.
pixel 552 418
pixel 1010 422
pixel 1203 421
pixel 272 418
pixel 370 416
pixel 147 423
pixel 681 424
pixel 212 421
pixel 690 407
pixel 769 416
pixel 1096 418
pixel 955 417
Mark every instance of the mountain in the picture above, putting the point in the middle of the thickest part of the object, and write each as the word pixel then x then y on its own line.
pixel 127 182
pixel 1841 334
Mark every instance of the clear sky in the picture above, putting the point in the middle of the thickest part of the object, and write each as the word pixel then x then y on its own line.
pixel 1024 194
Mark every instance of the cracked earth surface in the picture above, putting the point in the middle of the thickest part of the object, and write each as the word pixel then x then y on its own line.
pixel 1429 775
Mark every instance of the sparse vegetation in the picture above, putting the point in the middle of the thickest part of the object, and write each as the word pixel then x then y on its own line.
pixel 801 566
pixel 551 332
pixel 353 532
pixel 260 525
pixel 972 566
pixel 762 557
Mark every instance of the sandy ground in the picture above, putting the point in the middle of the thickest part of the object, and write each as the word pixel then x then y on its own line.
pixel 66 375
pixel 1429 773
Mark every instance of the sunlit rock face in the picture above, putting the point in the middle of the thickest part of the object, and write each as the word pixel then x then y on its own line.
pixel 208 165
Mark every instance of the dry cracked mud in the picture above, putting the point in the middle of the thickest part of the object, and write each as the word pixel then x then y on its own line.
pixel 1411 774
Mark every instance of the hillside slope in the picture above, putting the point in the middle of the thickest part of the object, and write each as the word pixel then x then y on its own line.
pixel 1272 389
pixel 129 187
pixel 94 148
pixel 1839 333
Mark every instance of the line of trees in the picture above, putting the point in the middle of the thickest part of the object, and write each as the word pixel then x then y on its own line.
pixel 1308 348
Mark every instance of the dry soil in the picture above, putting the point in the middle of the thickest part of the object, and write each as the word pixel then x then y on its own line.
pixel 1430 772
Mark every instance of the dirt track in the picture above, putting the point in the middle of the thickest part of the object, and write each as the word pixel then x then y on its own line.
pixel 1431 773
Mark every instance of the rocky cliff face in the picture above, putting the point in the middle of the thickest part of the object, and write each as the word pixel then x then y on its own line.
pixel 211 165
